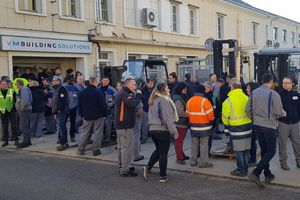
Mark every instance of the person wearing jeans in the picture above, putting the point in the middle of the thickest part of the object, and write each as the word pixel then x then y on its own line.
pixel 265 107
pixel 180 100
pixel 239 126
pixel 162 117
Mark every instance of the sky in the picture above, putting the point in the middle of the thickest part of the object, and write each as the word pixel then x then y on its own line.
pixel 286 8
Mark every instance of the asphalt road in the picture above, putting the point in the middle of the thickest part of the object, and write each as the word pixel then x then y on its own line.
pixel 25 176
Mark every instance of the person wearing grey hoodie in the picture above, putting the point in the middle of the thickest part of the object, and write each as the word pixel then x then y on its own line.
pixel 24 108
pixel 162 117
pixel 264 107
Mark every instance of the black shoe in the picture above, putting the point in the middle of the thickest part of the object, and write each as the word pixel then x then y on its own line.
pixel 22 145
pixel 256 180
pixel 4 144
pixel 238 173
pixel 96 153
pixel 139 158
pixel 163 179
pixel 132 169
pixel 216 137
pixel 129 174
pixel 269 179
pixel 62 147
pixel 186 157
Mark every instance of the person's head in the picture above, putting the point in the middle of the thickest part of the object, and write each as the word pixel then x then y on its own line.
pixel 46 89
pixel 86 83
pixel 229 77
pixel 150 83
pixel 195 79
pixel 78 73
pixel 3 85
pixel 187 77
pixel 57 71
pixel 287 83
pixel 220 82
pixel 130 84
pixel 40 70
pixel 172 78
pixel 208 86
pixel 93 81
pixel 200 89
pixel 181 89
pixel 80 80
pixel 212 78
pixel 160 89
pixel 45 81
pixel 33 83
pixel 250 87
pixel 4 78
pixel 27 71
pixel 70 79
pixel 105 81
pixel 120 85
pixel 57 80
pixel 236 85
pixel 69 71
pixel 19 84
pixel 231 81
pixel 267 80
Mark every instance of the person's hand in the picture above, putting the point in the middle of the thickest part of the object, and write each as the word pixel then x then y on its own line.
pixel 138 92
pixel 175 136
pixel 284 113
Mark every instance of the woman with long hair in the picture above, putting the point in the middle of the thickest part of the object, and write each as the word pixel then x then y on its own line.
pixel 250 87
pixel 180 99
pixel 162 117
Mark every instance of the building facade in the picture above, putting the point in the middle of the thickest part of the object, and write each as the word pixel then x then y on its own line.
pixel 88 34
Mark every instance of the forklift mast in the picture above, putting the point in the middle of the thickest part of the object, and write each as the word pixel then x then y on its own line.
pixel 218 57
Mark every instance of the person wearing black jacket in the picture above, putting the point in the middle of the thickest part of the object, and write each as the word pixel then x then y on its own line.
pixel 289 125
pixel 38 108
pixel 92 108
pixel 125 105
pixel 60 107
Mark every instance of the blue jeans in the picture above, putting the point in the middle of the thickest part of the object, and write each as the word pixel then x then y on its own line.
pixel 242 159
pixel 62 128
pixel 267 141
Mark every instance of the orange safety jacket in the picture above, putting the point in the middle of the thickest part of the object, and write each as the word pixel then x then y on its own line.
pixel 200 113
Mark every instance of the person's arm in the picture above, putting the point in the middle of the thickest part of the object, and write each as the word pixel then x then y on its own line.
pixel 277 105
pixel 130 101
pixel 226 113
pixel 25 98
pixel 249 107
pixel 180 109
pixel 102 103
pixel 168 117
pixel 209 111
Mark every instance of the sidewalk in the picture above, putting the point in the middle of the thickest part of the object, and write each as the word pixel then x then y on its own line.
pixel 222 166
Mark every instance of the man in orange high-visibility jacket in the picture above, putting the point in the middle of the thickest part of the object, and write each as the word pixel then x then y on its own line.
pixel 201 116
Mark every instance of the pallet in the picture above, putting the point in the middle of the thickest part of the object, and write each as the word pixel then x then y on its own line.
pixel 221 153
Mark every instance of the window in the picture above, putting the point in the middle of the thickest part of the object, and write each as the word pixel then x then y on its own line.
pixel 104 11
pixel 284 34
pixel 221 34
pixel 174 17
pixel 35 6
pixel 72 8
pixel 154 4
pixel 255 27
pixel 267 32
pixel 293 35
pixel 193 20
pixel 275 33
pixel 130 12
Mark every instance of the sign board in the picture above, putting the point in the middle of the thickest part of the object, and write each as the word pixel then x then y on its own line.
pixel 10 43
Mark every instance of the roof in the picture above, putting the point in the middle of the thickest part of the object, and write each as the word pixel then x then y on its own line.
pixel 254 9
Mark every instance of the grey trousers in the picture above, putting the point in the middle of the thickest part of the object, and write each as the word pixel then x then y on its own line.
pixel 87 127
pixel 199 144
pixel 137 137
pixel 125 148
pixel 286 131
pixel 24 117
pixel 108 125
pixel 50 124
pixel 36 124
pixel 145 127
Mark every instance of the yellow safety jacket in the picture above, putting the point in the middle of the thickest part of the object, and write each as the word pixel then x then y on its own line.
pixel 7 103
pixel 234 109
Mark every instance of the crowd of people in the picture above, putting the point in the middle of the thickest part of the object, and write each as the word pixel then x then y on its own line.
pixel 33 106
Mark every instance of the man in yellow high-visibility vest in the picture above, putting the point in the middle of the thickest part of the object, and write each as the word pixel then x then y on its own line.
pixel 8 114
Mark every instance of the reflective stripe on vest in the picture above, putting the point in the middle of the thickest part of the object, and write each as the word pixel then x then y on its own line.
pixel 201 128
pixel 233 117
pixel 202 112
pixel 240 133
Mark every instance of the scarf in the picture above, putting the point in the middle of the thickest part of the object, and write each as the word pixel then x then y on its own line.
pixel 172 104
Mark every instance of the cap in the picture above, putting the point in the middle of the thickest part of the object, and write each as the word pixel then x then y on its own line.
pixel 57 78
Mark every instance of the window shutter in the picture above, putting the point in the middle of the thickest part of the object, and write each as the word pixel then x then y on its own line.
pixel 98 10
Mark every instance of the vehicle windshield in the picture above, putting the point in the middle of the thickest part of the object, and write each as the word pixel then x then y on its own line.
pixel 294 68
pixel 157 73
pixel 135 69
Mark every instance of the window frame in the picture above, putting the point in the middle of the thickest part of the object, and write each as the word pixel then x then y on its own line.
pixel 195 21
pixel 293 37
pixel 134 14
pixel 81 18
pixel 284 35
pixel 255 33
pixel 110 16
pixel 43 12
pixel 176 6
pixel 275 33
pixel 221 29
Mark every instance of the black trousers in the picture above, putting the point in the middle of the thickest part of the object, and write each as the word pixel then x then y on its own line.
pixel 6 118
pixel 162 142
pixel 72 115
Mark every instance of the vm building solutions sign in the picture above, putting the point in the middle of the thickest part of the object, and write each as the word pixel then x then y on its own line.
pixel 9 43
